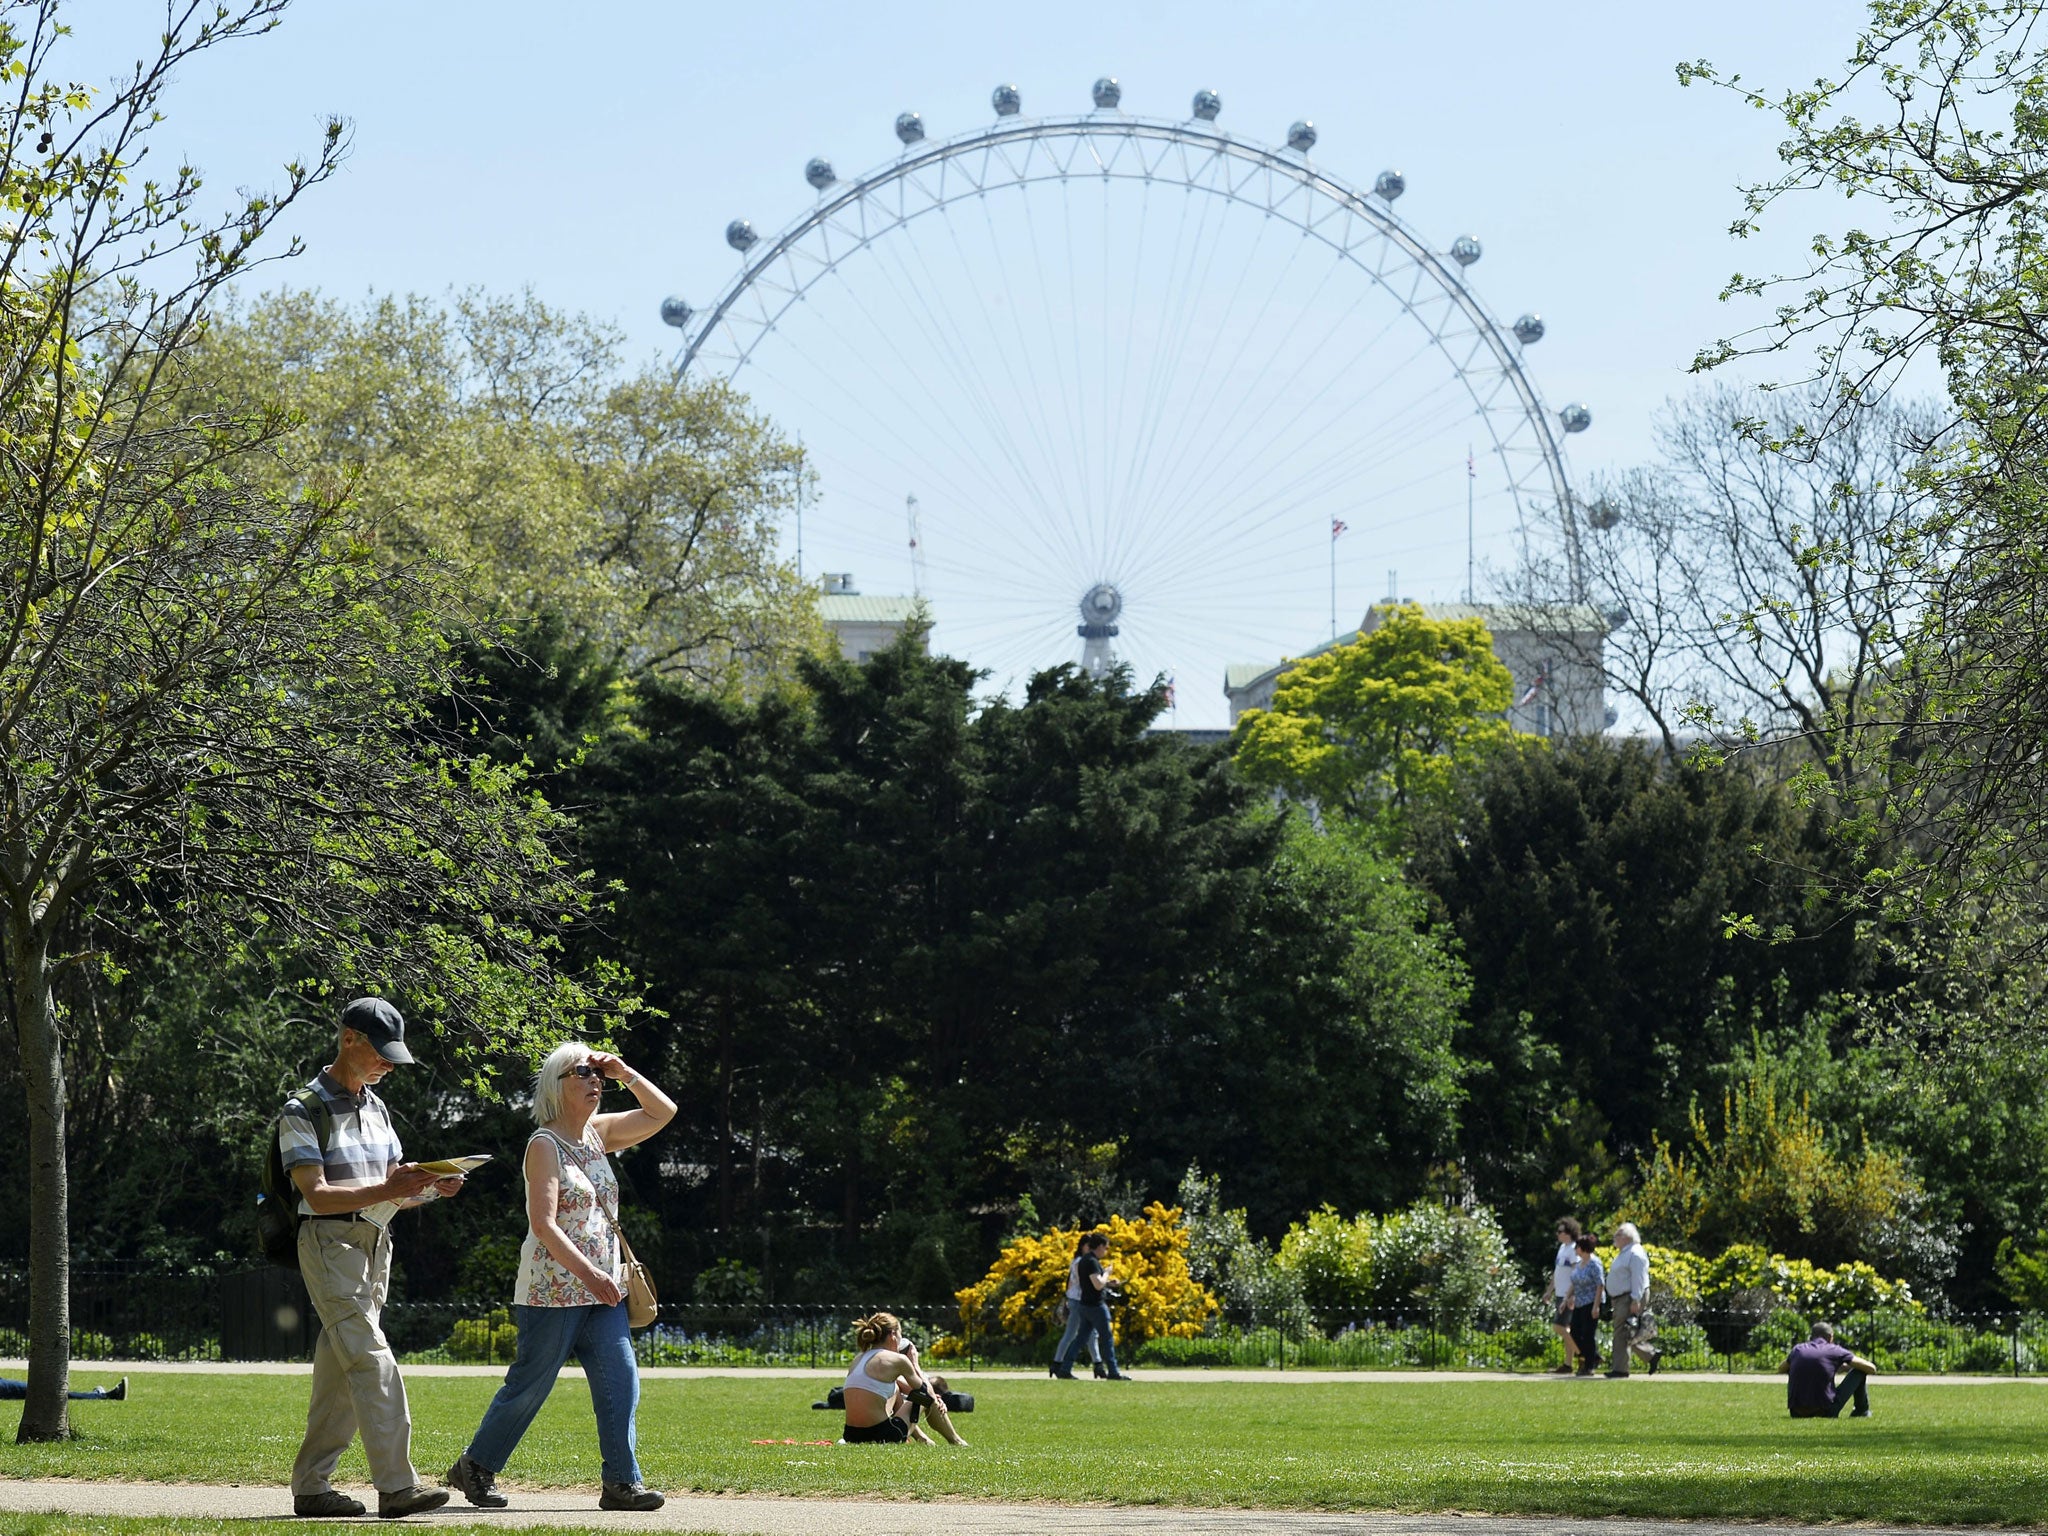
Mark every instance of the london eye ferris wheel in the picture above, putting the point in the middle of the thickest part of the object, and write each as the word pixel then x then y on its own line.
pixel 1139 375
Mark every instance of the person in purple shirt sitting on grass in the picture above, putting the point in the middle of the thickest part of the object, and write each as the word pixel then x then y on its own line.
pixel 1811 1391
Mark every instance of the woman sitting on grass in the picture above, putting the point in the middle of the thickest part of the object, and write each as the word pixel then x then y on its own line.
pixel 884 1389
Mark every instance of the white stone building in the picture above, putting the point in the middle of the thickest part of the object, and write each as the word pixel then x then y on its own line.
pixel 862 625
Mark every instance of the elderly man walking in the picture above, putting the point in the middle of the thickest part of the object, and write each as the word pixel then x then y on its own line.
pixel 337 1144
pixel 1628 1287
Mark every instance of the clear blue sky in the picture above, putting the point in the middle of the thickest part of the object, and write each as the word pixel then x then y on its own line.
pixel 596 153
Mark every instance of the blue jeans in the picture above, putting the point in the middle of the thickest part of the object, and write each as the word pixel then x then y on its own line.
pixel 548 1336
pixel 1094 1322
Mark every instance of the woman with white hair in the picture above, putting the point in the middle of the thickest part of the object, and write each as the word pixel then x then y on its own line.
pixel 570 1297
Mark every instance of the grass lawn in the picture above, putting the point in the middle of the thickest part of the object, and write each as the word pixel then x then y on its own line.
pixel 1950 1454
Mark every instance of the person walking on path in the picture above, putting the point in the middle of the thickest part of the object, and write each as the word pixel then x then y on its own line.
pixel 1811 1391
pixel 1073 1306
pixel 345 1257
pixel 1093 1310
pixel 1587 1279
pixel 570 1294
pixel 1561 1269
pixel 1628 1285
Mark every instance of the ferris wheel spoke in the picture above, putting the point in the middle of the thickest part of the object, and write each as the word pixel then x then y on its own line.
pixel 1206 370
pixel 1064 389
pixel 1315 478
pixel 1224 445
pixel 1175 310
pixel 1193 428
pixel 971 383
pixel 881 431
pixel 1033 400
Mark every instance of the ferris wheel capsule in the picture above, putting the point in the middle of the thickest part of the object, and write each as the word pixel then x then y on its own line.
pixel 1529 329
pixel 1207 105
pixel 1575 417
pixel 1301 138
pixel 909 127
pixel 1107 92
pixel 739 234
pixel 1390 185
pixel 1007 100
pixel 1465 250
pixel 676 311
pixel 819 173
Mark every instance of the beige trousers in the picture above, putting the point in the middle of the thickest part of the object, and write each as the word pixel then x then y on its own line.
pixel 1625 1330
pixel 356 1386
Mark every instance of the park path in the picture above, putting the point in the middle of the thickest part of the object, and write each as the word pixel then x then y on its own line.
pixel 858 1517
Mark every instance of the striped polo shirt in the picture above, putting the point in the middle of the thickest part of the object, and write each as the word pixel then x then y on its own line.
pixel 362 1147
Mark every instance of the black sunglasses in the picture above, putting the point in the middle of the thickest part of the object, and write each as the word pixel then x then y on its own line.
pixel 584 1069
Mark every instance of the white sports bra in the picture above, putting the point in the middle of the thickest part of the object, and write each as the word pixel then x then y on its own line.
pixel 859 1377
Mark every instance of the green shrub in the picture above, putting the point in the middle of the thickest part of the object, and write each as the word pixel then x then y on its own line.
pixel 1449 1263
pixel 728 1283
pixel 147 1346
pixel 491 1340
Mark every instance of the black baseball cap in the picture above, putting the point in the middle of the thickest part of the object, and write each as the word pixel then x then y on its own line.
pixel 380 1024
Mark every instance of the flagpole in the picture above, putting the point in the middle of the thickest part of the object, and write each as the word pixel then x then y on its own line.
pixel 1333 581
pixel 1471 475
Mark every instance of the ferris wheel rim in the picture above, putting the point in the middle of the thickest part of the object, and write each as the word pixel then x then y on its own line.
pixel 1291 165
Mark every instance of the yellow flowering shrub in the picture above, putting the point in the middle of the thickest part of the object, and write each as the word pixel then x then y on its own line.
pixel 1019 1298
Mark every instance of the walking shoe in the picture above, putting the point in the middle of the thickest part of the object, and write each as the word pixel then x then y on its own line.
pixel 119 1394
pixel 474 1483
pixel 1656 1361
pixel 630 1496
pixel 1617 1375
pixel 1064 1372
pixel 1099 1371
pixel 1859 1413
pixel 326 1505
pixel 416 1500
pixel 1562 1370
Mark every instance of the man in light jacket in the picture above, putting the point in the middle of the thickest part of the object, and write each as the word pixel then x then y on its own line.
pixel 1628 1287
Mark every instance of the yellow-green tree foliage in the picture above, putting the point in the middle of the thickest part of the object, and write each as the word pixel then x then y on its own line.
pixel 510 441
pixel 1020 1296
pixel 1769 1177
pixel 1384 720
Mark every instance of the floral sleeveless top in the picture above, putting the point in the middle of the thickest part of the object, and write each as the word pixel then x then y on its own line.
pixel 588 1189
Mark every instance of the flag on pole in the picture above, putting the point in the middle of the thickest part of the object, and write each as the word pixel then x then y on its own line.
pixel 1471 469
pixel 1337 526
pixel 1169 690
pixel 1535 685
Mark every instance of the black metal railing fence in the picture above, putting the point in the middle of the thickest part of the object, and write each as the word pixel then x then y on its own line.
pixel 128 1313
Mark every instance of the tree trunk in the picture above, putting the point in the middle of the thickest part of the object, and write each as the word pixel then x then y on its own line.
pixel 46 1414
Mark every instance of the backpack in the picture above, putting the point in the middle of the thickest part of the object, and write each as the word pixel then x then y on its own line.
pixel 277 1207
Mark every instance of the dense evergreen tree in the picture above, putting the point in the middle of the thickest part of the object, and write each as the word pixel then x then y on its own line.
pixel 1591 888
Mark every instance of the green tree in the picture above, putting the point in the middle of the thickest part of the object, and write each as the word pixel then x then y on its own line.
pixel 1317 1060
pixel 1775 1176
pixel 211 695
pixel 1382 721
pixel 1938 126
pixel 1589 886
pixel 511 441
